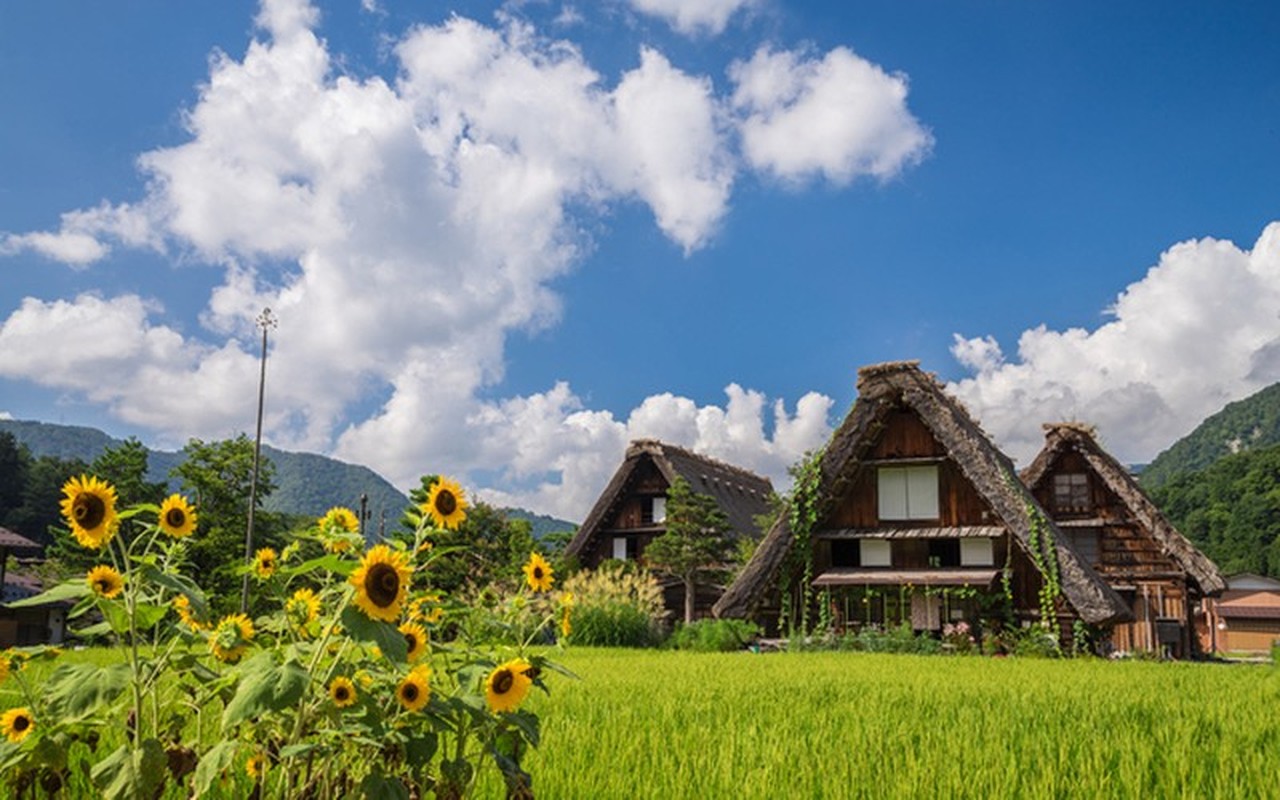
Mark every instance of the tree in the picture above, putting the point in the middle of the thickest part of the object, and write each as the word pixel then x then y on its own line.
pixel 696 541
pixel 217 476
pixel 15 460
pixel 125 468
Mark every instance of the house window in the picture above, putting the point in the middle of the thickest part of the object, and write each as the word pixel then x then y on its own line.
pixel 844 553
pixel 653 510
pixel 1085 542
pixel 659 509
pixel 977 552
pixel 1071 492
pixel 620 548
pixel 944 552
pixel 908 492
pixel 876 552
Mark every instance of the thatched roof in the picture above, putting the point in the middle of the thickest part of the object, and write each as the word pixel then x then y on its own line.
pixel 1067 437
pixel 883 389
pixel 740 494
pixel 12 540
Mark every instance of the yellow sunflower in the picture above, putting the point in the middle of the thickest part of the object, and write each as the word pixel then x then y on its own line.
pixel 415 690
pixel 4 667
pixel 303 608
pixel 538 573
pixel 342 691
pixel 16 724
pixel 566 627
pixel 182 605
pixel 507 685
pixel 264 563
pixel 446 504
pixel 256 765
pixel 382 583
pixel 105 581
pixel 415 636
pixel 89 507
pixel 343 519
pixel 177 517
pixel 230 639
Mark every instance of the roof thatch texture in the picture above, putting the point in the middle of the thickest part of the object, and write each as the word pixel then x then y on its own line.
pixel 16 541
pixel 882 389
pixel 740 494
pixel 1066 437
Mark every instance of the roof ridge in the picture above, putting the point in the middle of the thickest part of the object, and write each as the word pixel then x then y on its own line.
pixel 647 443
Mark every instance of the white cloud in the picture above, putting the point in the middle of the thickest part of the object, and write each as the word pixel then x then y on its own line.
pixel 400 230
pixel 838 117
pixel 1201 329
pixel 693 17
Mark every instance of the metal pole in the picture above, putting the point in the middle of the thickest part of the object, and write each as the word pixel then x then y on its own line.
pixel 265 321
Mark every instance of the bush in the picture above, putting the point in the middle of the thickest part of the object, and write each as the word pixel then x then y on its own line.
pixel 715 635
pixel 615 607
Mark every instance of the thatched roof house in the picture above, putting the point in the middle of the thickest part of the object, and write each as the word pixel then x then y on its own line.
pixel 912 495
pixel 1114 526
pixel 630 512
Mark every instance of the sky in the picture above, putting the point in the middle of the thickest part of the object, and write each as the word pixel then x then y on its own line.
pixel 500 240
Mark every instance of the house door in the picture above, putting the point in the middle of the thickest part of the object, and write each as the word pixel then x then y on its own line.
pixel 926 612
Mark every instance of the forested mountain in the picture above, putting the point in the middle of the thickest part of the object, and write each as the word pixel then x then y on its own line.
pixel 1249 424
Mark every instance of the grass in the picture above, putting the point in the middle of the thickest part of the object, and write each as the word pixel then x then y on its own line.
pixel 660 724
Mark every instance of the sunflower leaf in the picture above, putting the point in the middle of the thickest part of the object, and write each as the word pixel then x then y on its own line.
pixel 75 691
pixel 265 686
pixel 389 640
pixel 527 724
pixel 212 764
pixel 377 786
pixel 179 585
pixel 129 773
pixel 67 590
pixel 332 563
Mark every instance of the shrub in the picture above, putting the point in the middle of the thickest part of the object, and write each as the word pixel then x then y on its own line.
pixel 615 607
pixel 715 635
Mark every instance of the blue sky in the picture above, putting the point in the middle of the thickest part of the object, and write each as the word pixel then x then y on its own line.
pixel 503 239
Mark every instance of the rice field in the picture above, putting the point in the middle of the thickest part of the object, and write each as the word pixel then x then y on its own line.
pixel 643 724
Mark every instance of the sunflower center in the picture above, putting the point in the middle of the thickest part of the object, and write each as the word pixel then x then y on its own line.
pixel 502 681
pixel 411 641
pixel 21 723
pixel 176 518
pixel 409 692
pixel 537 573
pixel 89 511
pixel 446 503
pixel 341 694
pixel 103 585
pixel 382 584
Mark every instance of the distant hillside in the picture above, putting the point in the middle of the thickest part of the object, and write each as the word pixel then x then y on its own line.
pixel 1249 424
pixel 306 483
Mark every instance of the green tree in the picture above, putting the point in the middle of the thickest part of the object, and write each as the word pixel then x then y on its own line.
pixel 40 516
pixel 125 467
pixel 15 460
pixel 696 542
pixel 217 477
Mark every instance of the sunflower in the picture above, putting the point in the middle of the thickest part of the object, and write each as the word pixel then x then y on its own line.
pixel 89 506
pixel 415 690
pixel 177 517
pixel 256 765
pixel 538 573
pixel 566 627
pixel 182 604
pixel 16 724
pixel 341 518
pixel 415 636
pixel 105 581
pixel 382 582
pixel 303 608
pixel 446 504
pixel 231 638
pixel 4 667
pixel 264 563
pixel 507 685
pixel 342 691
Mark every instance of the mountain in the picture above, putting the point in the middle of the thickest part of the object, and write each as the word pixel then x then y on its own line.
pixel 1249 424
pixel 307 483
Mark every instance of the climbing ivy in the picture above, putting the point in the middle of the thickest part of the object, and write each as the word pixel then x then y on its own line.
pixel 803 516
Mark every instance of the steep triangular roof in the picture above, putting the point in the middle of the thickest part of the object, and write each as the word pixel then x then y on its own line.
pixel 883 389
pixel 1064 437
pixel 16 541
pixel 740 494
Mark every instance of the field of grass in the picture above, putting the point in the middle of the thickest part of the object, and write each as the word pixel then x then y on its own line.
pixel 662 724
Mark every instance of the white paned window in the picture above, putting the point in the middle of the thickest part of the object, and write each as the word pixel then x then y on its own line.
pixel 908 492
pixel 977 552
pixel 876 553
pixel 620 548
pixel 659 509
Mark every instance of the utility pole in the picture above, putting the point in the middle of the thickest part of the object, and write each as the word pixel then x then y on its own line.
pixel 266 321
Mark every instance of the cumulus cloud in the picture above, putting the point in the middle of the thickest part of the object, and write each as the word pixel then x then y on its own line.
pixel 837 117
pixel 693 17
pixel 1201 329
pixel 401 228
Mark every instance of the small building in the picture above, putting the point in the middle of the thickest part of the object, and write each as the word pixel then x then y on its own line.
pixel 631 512
pixel 920 519
pixel 44 624
pixel 1245 618
pixel 1116 529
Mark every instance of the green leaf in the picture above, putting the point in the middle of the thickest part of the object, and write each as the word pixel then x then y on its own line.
pixel 527 723
pixel 75 691
pixel 179 585
pixel 331 563
pixel 377 786
pixel 295 750
pixel 98 629
pixel 131 774
pixel 383 634
pixel 421 749
pixel 67 590
pixel 265 686
pixel 212 764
